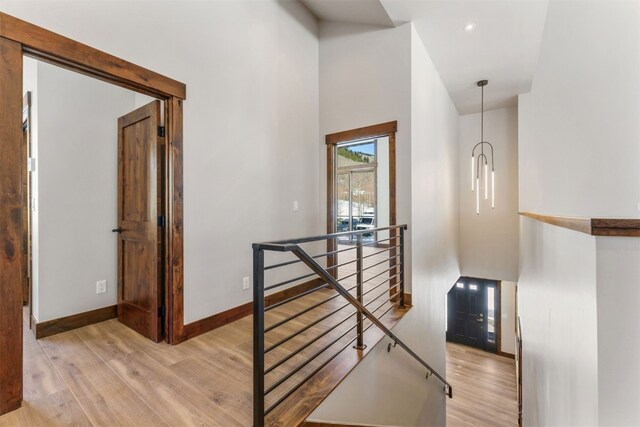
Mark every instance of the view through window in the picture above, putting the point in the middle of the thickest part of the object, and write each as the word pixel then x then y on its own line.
pixel 362 187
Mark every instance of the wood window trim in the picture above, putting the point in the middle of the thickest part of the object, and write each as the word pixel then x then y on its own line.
pixel 18 38
pixel 591 226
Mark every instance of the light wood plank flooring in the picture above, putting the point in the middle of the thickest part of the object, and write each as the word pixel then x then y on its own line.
pixel 484 388
pixel 108 375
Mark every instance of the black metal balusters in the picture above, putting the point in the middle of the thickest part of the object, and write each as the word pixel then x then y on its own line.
pixel 312 322
pixel 359 317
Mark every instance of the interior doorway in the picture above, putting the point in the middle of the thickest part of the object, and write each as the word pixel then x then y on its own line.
pixel 17 40
pixel 98 204
pixel 473 313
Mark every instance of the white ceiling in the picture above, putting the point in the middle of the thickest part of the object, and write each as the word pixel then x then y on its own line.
pixel 350 11
pixel 503 48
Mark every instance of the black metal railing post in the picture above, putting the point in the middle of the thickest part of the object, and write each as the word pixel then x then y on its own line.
pixel 359 279
pixel 258 337
pixel 401 266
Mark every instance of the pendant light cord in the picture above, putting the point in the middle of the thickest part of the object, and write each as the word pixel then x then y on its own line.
pixel 482 119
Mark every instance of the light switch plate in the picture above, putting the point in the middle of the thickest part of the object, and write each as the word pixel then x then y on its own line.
pixel 101 287
pixel 245 283
pixel 295 206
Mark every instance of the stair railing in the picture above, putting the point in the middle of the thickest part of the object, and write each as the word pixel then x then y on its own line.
pixel 326 277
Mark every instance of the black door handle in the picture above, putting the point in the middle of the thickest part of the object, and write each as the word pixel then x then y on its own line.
pixel 117 230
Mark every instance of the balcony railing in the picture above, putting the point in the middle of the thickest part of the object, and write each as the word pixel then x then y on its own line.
pixel 317 333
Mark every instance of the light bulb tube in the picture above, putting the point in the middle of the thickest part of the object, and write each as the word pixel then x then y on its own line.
pixel 493 189
pixel 486 184
pixel 478 197
pixel 473 169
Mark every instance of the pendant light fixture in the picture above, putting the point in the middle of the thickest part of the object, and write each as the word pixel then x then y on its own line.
pixel 480 164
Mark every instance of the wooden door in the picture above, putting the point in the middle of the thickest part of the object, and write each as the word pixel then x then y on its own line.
pixel 140 291
pixel 26 199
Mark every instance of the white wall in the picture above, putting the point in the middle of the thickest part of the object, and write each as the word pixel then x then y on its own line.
pixel 557 308
pixel 251 70
pixel 489 241
pixel 435 205
pixel 578 151
pixel 364 75
pixel 508 317
pixel 618 266
pixel 76 204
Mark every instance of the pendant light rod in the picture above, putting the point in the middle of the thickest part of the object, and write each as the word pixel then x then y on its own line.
pixel 479 165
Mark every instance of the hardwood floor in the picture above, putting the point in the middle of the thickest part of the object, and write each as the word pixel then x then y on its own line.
pixel 484 388
pixel 106 374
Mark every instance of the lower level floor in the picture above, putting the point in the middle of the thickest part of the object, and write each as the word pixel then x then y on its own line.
pixel 484 386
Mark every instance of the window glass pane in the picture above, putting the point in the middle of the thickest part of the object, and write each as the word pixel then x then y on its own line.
pixel 343 203
pixel 491 316
pixel 460 285
pixel 363 201
pixel 356 154
pixel 473 287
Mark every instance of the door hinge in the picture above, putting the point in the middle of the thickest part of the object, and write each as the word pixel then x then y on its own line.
pixel 161 311
pixel 162 221
pixel 161 131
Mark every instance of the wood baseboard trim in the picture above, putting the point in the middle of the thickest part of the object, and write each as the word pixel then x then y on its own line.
pixel 218 320
pixel 75 321
pixel 408 300
pixel 508 355
pixel 592 226
pixel 10 406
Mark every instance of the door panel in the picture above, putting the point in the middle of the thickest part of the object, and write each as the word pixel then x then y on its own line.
pixel 467 308
pixel 139 278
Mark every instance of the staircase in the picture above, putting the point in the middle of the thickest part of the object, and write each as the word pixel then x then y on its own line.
pixel 343 301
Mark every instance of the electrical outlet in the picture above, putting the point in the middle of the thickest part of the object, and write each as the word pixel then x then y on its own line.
pixel 245 283
pixel 295 206
pixel 101 287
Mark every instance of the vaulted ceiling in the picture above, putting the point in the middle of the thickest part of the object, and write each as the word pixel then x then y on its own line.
pixel 502 46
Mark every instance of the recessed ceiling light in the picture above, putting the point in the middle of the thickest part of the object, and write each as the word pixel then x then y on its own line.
pixel 470 27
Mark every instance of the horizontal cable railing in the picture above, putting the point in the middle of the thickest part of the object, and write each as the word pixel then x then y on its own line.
pixel 309 327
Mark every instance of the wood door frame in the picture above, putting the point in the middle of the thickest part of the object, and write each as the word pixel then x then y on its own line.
pixel 387 129
pixel 18 38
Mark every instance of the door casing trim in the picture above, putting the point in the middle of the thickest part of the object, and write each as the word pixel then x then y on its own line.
pixel 18 38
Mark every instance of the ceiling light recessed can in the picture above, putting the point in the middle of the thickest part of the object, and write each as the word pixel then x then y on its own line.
pixel 470 27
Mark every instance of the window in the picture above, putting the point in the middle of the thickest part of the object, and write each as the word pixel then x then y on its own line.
pixel 460 285
pixel 473 287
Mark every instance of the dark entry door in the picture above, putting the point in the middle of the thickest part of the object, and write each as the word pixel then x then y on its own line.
pixel 471 313
pixel 139 244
